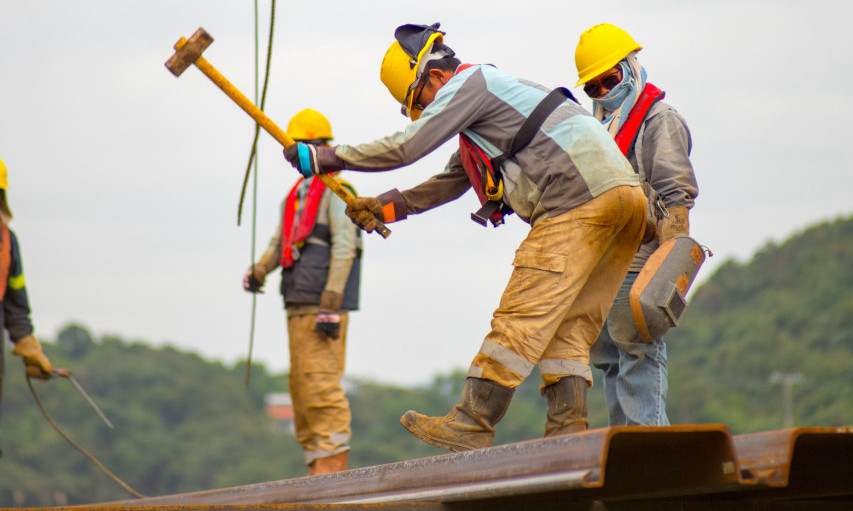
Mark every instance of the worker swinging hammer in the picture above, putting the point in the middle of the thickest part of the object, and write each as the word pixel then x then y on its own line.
pixel 188 52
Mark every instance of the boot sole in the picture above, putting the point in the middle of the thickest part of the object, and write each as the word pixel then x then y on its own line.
pixel 413 429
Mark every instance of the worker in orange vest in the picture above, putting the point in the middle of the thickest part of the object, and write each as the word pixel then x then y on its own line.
pixel 15 311
pixel 319 251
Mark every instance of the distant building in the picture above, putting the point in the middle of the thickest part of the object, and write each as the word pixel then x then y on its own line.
pixel 279 408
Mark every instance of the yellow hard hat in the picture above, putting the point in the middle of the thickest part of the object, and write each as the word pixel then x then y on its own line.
pixel 4 182
pixel 309 125
pixel 404 62
pixel 600 48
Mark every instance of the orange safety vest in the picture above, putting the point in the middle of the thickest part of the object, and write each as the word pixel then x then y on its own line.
pixel 628 131
pixel 5 258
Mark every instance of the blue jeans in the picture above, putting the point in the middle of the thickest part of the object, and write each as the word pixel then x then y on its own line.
pixel 635 381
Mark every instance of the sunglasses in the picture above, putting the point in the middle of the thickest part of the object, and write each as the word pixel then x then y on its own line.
pixel 595 89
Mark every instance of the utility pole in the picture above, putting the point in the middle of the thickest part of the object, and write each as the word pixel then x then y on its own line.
pixel 788 380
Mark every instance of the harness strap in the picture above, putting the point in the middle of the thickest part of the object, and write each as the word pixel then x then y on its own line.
pixel 628 133
pixel 532 124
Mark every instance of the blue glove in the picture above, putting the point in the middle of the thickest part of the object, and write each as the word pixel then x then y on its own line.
pixel 312 159
pixel 303 157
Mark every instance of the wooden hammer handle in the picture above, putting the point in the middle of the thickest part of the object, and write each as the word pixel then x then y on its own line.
pixel 266 123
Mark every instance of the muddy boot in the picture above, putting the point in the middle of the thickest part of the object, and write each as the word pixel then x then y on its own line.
pixel 470 424
pixel 567 412
pixel 336 463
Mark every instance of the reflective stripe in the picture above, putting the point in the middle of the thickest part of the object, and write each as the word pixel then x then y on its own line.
pixel 475 372
pixel 565 367
pixel 340 438
pixel 507 358
pixel 17 282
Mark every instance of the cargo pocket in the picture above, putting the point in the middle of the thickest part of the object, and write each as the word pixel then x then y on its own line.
pixel 537 260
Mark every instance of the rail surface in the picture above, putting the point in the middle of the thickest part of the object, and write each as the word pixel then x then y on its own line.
pixel 675 467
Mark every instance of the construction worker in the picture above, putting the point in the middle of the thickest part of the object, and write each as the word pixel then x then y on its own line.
pixel 527 150
pixel 319 250
pixel 656 141
pixel 15 312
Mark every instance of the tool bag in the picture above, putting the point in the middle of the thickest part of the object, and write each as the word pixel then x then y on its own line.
pixel 485 172
pixel 657 297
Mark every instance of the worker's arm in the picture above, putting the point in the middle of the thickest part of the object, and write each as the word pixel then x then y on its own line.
pixel 16 309
pixel 394 205
pixel 256 275
pixel 344 244
pixel 666 162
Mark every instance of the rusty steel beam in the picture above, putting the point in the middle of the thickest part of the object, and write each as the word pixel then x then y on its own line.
pixel 805 461
pixel 608 463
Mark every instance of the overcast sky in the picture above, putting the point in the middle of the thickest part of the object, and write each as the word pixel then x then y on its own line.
pixel 124 180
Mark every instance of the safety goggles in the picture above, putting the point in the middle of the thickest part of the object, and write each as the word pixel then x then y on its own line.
pixel 595 88
pixel 418 85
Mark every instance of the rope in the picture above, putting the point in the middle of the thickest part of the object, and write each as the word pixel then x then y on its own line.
pixel 254 160
pixel 77 446
pixel 263 101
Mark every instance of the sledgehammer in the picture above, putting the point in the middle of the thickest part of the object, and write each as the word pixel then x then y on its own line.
pixel 188 52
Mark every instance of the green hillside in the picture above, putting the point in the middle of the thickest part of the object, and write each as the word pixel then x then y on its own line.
pixel 185 424
pixel 788 311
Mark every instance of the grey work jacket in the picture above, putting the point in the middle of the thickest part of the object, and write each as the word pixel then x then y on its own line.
pixel 570 160
pixel 661 155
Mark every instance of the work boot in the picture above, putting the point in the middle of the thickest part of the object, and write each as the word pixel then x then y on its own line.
pixel 336 463
pixel 470 424
pixel 567 412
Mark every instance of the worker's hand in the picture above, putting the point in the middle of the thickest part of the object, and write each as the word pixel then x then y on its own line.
pixel 674 223
pixel 328 325
pixel 254 278
pixel 363 211
pixel 313 159
pixel 328 321
pixel 36 363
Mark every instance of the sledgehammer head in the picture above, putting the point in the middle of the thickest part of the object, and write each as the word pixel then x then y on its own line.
pixel 187 52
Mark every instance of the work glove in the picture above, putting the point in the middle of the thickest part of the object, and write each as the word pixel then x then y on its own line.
pixel 254 278
pixel 328 320
pixel 363 211
pixel 35 362
pixel 313 159
pixel 674 223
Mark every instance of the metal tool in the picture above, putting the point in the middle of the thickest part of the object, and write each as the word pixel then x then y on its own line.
pixel 188 52
pixel 66 373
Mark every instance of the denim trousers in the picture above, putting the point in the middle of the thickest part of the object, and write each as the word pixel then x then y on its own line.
pixel 635 381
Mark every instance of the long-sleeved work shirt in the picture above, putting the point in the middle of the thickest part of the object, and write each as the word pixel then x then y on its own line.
pixel 661 155
pixel 570 160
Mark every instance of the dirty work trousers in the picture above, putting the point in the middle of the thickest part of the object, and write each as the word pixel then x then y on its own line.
pixel 320 407
pixel 567 273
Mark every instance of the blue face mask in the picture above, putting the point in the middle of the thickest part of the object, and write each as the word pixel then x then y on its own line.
pixel 616 96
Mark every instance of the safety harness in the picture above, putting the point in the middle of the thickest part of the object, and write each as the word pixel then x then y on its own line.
pixel 295 230
pixel 485 173
pixel 628 132
pixel 298 220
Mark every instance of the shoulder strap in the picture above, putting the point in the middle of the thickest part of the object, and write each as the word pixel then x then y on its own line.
pixel 628 133
pixel 532 124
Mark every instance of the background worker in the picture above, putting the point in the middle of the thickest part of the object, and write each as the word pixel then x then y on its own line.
pixel 13 295
pixel 657 142
pixel 319 250
pixel 570 183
